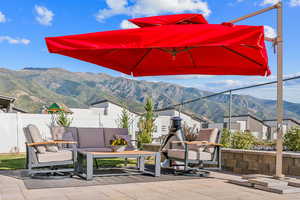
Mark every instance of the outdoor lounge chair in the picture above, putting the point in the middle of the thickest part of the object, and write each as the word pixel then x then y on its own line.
pixel 195 154
pixel 44 157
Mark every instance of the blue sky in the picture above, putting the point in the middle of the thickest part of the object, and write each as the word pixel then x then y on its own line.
pixel 25 23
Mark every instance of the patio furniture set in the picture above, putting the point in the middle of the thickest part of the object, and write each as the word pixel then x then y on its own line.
pixel 76 151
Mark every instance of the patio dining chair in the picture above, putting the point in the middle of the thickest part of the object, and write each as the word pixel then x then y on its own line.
pixel 194 155
pixel 44 157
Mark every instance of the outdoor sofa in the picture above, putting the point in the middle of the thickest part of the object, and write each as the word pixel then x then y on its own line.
pixel 49 156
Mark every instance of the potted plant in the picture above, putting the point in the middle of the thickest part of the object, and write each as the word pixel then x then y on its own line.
pixel 118 144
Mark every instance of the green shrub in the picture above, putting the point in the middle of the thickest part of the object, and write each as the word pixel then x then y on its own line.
pixel 243 140
pixel 225 139
pixel 292 139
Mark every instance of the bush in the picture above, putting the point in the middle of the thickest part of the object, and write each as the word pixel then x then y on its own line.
pixel 292 139
pixel 243 140
pixel 225 139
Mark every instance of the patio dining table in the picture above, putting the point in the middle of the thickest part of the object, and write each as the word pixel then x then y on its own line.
pixel 87 171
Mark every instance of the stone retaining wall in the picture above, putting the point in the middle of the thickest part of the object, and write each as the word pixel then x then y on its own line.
pixel 251 161
pixel 259 162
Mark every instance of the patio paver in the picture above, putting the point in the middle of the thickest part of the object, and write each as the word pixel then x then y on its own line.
pixel 215 188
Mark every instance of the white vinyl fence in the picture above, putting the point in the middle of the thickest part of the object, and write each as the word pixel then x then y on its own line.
pixel 12 137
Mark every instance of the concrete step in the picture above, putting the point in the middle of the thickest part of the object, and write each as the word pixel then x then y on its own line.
pixel 279 189
pixel 268 182
pixel 254 176
pixel 294 182
pixel 242 182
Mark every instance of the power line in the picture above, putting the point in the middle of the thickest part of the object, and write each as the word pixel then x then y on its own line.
pixel 225 91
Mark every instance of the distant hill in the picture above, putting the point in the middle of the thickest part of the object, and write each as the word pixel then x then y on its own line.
pixel 36 87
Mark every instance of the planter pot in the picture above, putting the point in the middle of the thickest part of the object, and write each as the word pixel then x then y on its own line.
pixel 119 148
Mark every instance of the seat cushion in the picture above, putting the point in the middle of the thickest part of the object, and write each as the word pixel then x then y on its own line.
pixel 90 137
pixel 36 137
pixel 192 155
pixel 62 155
pixel 109 134
pixel 103 149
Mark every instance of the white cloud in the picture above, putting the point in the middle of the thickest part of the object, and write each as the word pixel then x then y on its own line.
pixel 44 16
pixel 125 24
pixel 270 32
pixel 2 18
pixel 269 2
pixel 12 40
pixel 151 7
pixel 294 3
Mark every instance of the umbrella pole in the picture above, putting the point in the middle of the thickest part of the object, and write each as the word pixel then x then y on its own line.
pixel 279 145
pixel 278 40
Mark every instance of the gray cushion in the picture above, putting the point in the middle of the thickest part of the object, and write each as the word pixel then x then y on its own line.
pixel 209 135
pixel 51 148
pixel 73 130
pixel 192 155
pixel 68 136
pixel 109 134
pixel 62 155
pixel 91 137
pixel 57 132
pixel 36 137
pixel 103 149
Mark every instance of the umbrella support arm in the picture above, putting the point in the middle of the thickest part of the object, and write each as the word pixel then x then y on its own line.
pixel 275 6
pixel 279 46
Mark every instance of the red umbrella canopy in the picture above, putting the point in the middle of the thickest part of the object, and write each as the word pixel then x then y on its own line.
pixel 171 45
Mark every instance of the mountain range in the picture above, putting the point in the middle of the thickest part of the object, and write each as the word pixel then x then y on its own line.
pixel 38 87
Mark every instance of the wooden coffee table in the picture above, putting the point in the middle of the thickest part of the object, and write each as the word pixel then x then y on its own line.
pixel 87 172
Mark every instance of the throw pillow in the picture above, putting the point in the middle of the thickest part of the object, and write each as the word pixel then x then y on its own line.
pixel 36 137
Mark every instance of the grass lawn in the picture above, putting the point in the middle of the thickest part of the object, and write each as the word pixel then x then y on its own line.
pixel 12 161
pixel 17 161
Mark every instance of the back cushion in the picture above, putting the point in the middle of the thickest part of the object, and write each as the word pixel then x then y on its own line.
pixel 57 132
pixel 110 132
pixel 71 134
pixel 209 135
pixel 36 137
pixel 90 137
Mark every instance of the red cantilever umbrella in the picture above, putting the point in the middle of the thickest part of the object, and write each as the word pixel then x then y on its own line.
pixel 171 45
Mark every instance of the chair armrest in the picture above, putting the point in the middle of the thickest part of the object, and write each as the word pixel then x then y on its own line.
pixel 200 143
pixel 51 143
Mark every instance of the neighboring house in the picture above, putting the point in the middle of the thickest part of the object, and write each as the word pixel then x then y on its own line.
pixel 248 122
pixel 107 113
pixel 163 121
pixel 7 105
pixel 287 124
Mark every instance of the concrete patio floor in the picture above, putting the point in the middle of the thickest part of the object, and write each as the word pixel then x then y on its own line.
pixel 204 189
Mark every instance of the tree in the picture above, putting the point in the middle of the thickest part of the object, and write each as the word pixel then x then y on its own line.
pixel 125 120
pixel 146 124
pixel 63 119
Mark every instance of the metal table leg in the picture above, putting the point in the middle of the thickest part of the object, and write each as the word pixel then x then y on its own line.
pixel 89 166
pixel 142 163
pixel 157 164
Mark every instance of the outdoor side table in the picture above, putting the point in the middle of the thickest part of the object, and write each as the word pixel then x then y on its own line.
pixel 88 173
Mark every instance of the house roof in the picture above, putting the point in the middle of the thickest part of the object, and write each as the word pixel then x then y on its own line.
pixel 248 115
pixel 285 119
pixel 113 102
pixel 7 98
pixel 18 110
pixel 193 116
